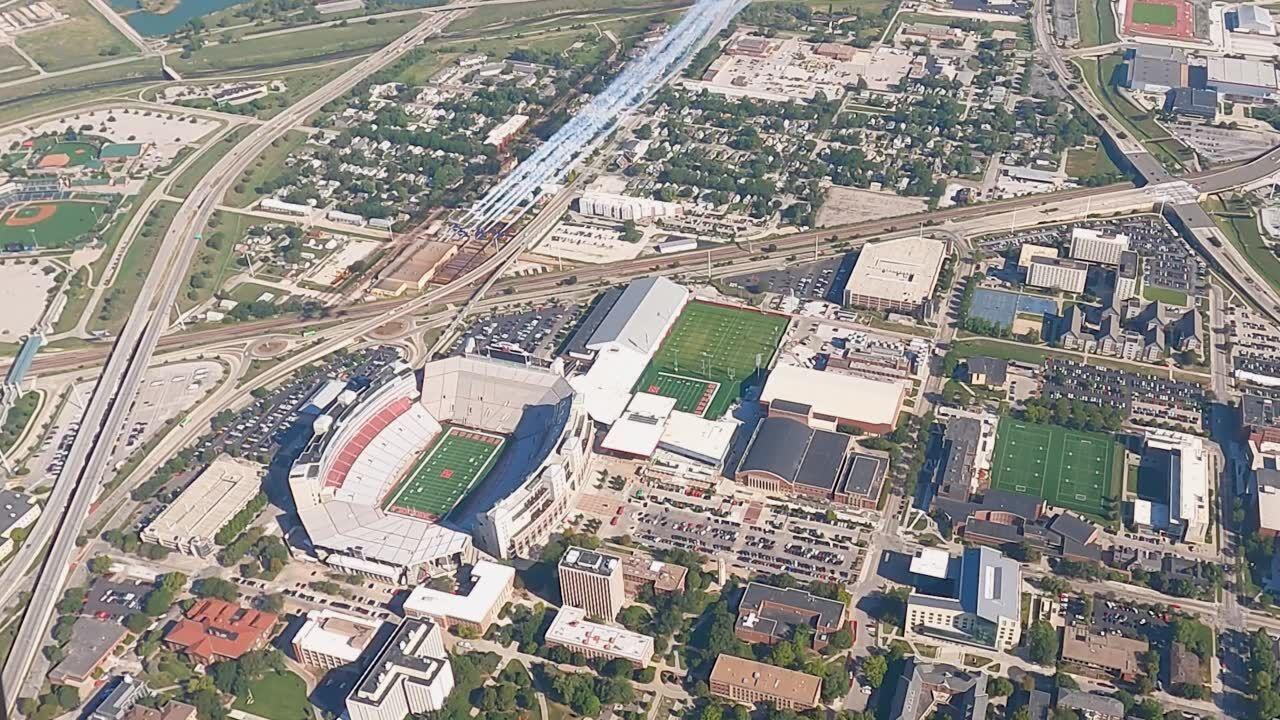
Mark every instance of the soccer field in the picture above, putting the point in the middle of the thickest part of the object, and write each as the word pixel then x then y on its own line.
pixel 1068 468
pixel 1155 14
pixel 455 463
pixel 715 343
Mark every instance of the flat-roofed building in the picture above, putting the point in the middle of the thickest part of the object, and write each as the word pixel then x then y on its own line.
pixel 91 643
pixel 768 614
pixel 573 631
pixel 1188 482
pixel 1127 276
pixel 191 521
pixel 1156 69
pixel 1267 502
pixel 1058 274
pixel 592 581
pixel 475 606
pixel 1097 246
pixel 896 275
pixel 1241 78
pixel 330 639
pixel 1091 706
pixel 123 695
pixel 1102 656
pixel 411 675
pixel 983 609
pixel 1029 252
pixel 829 401
pixel 415 269
pixel 750 682
pixel 642 571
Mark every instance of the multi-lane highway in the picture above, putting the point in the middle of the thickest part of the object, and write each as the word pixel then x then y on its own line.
pixel 73 492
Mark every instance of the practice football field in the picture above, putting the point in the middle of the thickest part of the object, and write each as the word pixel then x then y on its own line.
pixel 1155 14
pixel 455 463
pixel 718 343
pixel 1070 469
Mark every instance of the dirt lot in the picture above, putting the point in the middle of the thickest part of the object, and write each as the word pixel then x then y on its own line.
pixel 850 205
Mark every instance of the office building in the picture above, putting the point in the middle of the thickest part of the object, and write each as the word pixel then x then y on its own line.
pixel 1058 274
pixel 768 614
pixel 89 648
pixel 411 675
pixel 896 275
pixel 330 639
pixel 1110 657
pixel 749 682
pixel 592 581
pixel 1097 246
pixel 982 608
pixel 214 630
pixel 476 605
pixel 1127 277
pixel 1186 462
pixel 573 631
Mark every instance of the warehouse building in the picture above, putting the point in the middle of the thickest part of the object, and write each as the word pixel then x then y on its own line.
pixel 191 521
pixel 896 275
pixel 414 270
pixel 1240 78
pixel 829 401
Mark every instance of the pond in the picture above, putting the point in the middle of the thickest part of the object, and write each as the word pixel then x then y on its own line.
pixel 160 24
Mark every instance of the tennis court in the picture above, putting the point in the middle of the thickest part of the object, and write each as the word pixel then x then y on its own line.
pixel 454 464
pixel 717 343
pixel 1070 469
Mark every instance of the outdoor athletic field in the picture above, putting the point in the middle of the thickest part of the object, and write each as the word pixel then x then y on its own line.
pixel 1155 14
pixel 715 343
pixel 1068 468
pixel 456 462
pixel 49 225
pixel 78 153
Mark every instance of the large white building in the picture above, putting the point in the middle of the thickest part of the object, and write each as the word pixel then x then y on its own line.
pixel 476 607
pixel 623 207
pixel 410 675
pixel 367 443
pixel 1188 465
pixel 984 608
pixel 330 639
pixel 191 521
pixel 1253 19
pixel 828 400
pixel 1097 246
pixel 625 341
pixel 896 275
pixel 1058 274
pixel 571 630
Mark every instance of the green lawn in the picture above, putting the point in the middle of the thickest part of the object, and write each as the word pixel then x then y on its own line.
pixel 726 345
pixel 209 156
pixel 1101 77
pixel 540 10
pixel 71 221
pixel 17 419
pixel 38 96
pixel 134 270
pixel 85 38
pixel 1087 162
pixel 1070 469
pixel 1164 295
pixel 13 66
pixel 311 44
pixel 276 696
pixel 250 292
pixel 266 167
pixel 213 263
pixel 450 469
pixel 1155 14
pixel 1242 231
pixel 1096 21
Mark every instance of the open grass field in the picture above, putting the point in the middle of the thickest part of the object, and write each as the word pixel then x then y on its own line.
pixel 50 225
pixel 13 66
pixel 691 394
pixel 1097 22
pixel 1241 229
pixel 273 50
pixel 78 153
pixel 1086 162
pixel 276 696
pixel 134 270
pixel 213 264
pixel 457 460
pixel 722 344
pixel 1155 14
pixel 1164 295
pixel 244 191
pixel 42 95
pixel 85 38
pixel 1068 468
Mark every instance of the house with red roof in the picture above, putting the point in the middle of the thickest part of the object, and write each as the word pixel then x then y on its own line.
pixel 215 630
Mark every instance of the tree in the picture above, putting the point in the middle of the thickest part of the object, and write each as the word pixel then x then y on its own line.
pixel 100 565
pixel 1042 643
pixel 137 622
pixel 630 233
pixel 68 697
pixel 1000 687
pixel 874 670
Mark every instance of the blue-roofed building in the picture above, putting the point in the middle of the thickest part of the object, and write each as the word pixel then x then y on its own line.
pixel 22 364
pixel 980 607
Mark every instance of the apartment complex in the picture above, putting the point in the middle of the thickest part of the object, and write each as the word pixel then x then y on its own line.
pixel 592 581
pixel 751 682
pixel 1058 274
pixel 1098 247
pixel 410 675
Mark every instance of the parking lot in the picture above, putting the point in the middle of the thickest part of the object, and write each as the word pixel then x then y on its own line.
pixel 757 536
pixel 822 280
pixel 166 392
pixel 537 332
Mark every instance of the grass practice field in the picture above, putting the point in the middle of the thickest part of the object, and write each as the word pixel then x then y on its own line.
pixel 1155 14
pixel 720 345
pixel 49 225
pixel 1068 468
pixel 457 460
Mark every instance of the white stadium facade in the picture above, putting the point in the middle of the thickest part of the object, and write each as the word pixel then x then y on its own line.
pixel 368 440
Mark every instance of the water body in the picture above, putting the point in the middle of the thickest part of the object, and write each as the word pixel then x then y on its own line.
pixel 160 24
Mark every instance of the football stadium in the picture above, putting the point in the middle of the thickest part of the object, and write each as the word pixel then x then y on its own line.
pixel 406 474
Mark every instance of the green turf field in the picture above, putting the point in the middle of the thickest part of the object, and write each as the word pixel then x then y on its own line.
pixel 691 394
pixel 716 343
pixel 453 465
pixel 70 222
pixel 79 152
pixel 1155 14
pixel 1068 468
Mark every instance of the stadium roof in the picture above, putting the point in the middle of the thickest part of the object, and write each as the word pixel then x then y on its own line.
pixel 901 270
pixel 849 397
pixel 796 453
pixel 641 316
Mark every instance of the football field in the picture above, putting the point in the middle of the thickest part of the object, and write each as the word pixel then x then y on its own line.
pixel 457 461
pixel 721 345
pixel 1070 469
